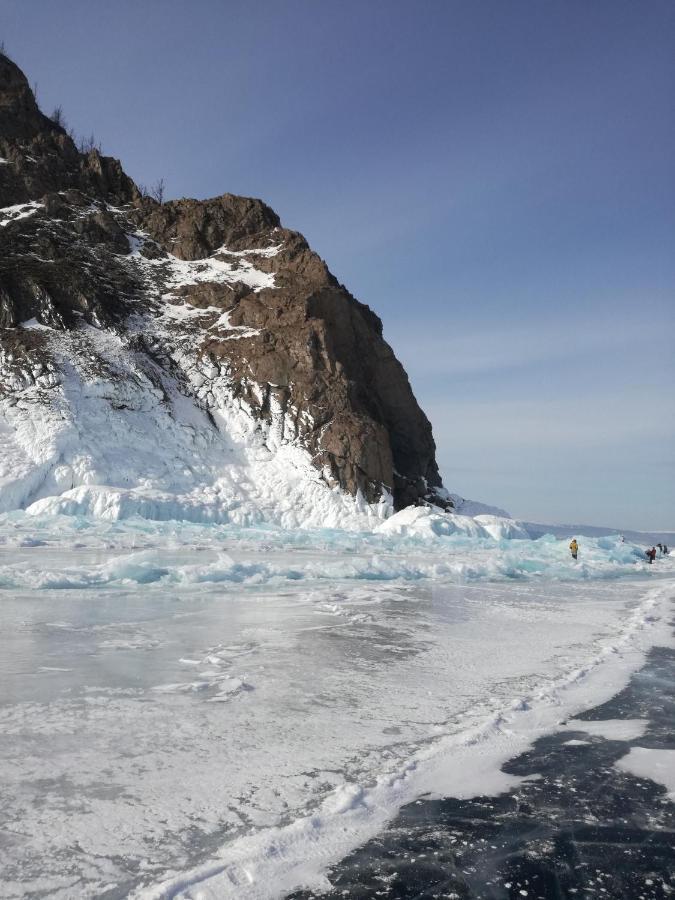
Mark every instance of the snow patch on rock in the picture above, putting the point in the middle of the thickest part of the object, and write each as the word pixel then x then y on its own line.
pixel 222 267
pixel 9 214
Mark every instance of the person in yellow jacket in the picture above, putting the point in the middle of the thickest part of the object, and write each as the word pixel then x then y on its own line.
pixel 574 548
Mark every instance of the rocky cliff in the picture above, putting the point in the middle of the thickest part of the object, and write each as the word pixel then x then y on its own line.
pixel 185 359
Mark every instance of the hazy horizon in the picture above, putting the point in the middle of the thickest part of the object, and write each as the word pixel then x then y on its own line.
pixel 495 181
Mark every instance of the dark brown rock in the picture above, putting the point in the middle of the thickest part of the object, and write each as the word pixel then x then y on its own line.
pixel 42 157
pixel 194 229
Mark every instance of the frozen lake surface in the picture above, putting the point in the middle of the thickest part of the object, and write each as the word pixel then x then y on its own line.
pixel 581 825
pixel 214 712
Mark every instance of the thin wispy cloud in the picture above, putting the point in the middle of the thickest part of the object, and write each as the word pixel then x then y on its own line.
pixel 590 418
pixel 445 354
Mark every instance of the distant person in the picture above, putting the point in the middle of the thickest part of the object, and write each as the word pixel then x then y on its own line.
pixel 651 555
pixel 574 548
pixel 622 539
pixel 660 546
pixel 665 550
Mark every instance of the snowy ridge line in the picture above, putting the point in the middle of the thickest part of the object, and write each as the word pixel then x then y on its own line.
pixel 149 567
pixel 269 864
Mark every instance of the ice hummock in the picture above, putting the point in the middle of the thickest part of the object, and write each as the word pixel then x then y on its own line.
pixel 426 522
pixel 414 545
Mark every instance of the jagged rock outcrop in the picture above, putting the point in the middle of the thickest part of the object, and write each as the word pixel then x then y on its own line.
pixel 214 296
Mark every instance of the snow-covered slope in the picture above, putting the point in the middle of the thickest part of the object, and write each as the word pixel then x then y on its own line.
pixel 116 435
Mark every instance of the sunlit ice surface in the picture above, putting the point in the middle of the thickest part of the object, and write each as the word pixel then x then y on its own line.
pixel 237 708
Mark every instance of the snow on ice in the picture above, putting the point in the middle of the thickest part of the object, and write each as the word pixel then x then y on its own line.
pixel 657 765
pixel 227 709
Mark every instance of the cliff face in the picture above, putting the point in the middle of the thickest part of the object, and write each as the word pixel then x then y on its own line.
pixel 208 316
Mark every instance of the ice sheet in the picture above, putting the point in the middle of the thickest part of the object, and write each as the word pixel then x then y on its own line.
pixel 187 704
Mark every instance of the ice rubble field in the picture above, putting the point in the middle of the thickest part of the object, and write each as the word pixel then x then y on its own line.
pixel 218 711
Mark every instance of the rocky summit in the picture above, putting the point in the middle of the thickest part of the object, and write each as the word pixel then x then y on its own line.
pixel 183 359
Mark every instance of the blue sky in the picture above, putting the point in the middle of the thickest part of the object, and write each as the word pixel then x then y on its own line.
pixel 494 178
